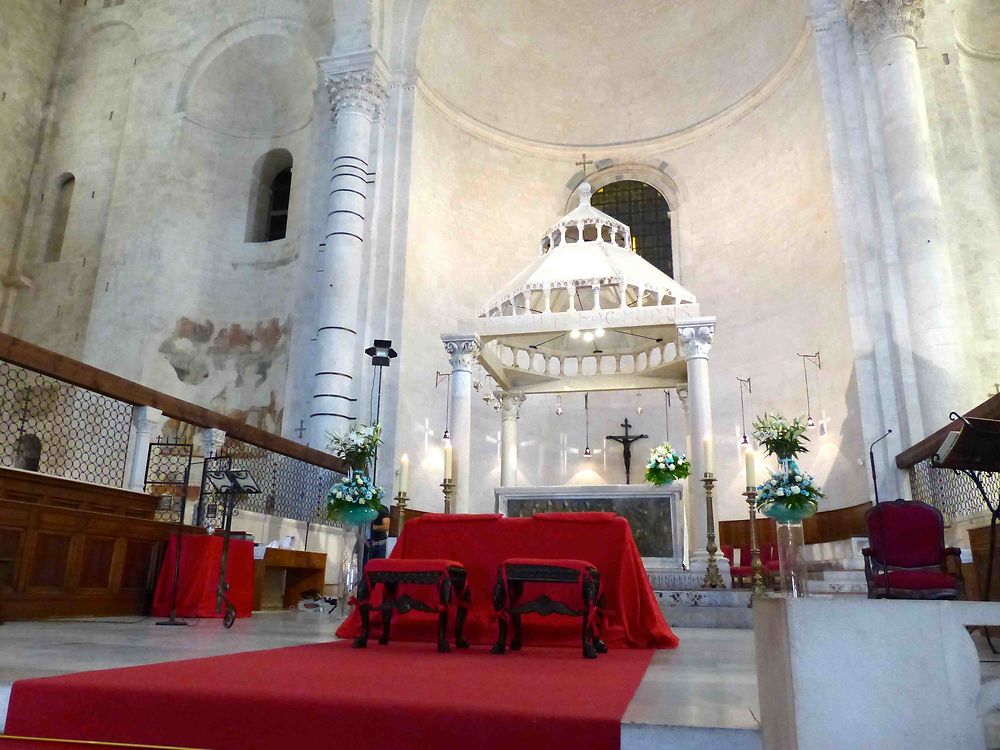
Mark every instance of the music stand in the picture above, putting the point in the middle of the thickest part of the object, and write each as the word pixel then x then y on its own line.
pixel 230 484
pixel 970 450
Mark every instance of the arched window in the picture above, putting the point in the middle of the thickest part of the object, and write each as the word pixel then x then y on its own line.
pixel 60 217
pixel 647 214
pixel 269 197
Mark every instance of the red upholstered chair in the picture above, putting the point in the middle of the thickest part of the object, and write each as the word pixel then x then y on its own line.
pixel 740 563
pixel 907 558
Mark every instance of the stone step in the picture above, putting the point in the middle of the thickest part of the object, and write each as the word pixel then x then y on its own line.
pixel 712 608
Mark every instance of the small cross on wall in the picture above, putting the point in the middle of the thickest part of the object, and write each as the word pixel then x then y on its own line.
pixel 301 429
pixel 583 163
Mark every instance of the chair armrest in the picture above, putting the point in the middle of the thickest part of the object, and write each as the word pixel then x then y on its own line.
pixel 867 552
pixel 953 551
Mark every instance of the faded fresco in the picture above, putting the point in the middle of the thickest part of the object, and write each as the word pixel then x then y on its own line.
pixel 239 370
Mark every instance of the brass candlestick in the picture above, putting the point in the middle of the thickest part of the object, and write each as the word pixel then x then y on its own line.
pixel 755 563
pixel 401 504
pixel 448 488
pixel 713 578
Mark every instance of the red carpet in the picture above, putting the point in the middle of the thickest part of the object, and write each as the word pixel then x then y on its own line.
pixel 404 696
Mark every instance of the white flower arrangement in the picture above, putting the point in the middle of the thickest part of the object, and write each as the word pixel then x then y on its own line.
pixel 796 490
pixel 781 437
pixel 354 489
pixel 666 465
pixel 358 446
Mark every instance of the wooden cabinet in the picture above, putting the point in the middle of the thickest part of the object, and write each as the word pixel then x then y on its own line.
pixel 70 549
pixel 302 571
pixel 979 541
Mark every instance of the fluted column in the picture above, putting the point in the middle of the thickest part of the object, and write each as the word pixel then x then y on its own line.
pixel 357 98
pixel 887 30
pixel 463 351
pixel 146 421
pixel 694 342
pixel 510 412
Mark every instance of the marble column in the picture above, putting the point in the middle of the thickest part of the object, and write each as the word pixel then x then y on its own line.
pixel 357 98
pixel 694 341
pixel 146 422
pixel 463 351
pixel 211 440
pixel 510 412
pixel 886 30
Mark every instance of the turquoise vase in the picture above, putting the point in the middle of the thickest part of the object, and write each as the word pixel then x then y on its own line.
pixel 354 515
pixel 783 514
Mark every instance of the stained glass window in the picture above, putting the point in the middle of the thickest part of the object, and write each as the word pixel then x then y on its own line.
pixel 646 212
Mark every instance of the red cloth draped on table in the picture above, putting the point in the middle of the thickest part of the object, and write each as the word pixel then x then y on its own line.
pixel 632 617
pixel 201 556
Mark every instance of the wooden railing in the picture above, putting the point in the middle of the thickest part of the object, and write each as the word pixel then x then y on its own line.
pixel 32 357
pixel 825 526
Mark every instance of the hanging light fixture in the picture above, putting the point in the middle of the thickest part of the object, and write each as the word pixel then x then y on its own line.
pixel 744 386
pixel 559 410
pixel 440 377
pixel 814 358
pixel 666 414
pixel 586 411
pixel 638 403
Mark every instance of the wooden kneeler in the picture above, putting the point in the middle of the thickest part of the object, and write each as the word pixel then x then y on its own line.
pixel 449 578
pixel 581 575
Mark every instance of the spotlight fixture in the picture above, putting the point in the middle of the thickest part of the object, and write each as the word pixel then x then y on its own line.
pixel 598 332
pixel 586 411
pixel 638 404
pixel 815 359
pixel 574 334
pixel 559 409
pixel 382 353
pixel 588 336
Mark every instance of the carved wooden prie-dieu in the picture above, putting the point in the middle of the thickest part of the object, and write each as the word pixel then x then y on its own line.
pixel 448 577
pixel 507 598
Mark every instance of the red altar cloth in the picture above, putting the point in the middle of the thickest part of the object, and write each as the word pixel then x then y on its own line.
pixel 201 556
pixel 482 542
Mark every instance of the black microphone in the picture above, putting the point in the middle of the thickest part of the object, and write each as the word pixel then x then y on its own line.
pixel 871 460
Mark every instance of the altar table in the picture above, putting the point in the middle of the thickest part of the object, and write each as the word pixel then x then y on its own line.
pixel 482 542
pixel 201 556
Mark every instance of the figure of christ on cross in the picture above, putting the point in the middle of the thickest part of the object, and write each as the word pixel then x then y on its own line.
pixel 626 440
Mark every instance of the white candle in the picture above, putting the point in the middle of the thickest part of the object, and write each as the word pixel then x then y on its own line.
pixel 447 459
pixel 750 458
pixel 404 474
pixel 709 458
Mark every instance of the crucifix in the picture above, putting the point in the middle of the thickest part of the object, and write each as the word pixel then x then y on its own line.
pixel 626 440
pixel 585 161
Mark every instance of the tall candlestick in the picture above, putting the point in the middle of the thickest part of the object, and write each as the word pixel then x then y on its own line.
pixel 750 459
pixel 404 474
pixel 709 458
pixel 447 459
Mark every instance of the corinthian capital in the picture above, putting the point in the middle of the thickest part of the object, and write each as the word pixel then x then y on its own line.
pixel 695 341
pixel 874 21
pixel 361 91
pixel 510 404
pixel 463 351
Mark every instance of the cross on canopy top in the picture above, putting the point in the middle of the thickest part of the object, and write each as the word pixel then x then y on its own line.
pixel 583 163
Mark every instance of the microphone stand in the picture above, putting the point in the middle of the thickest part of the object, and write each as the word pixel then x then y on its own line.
pixel 871 461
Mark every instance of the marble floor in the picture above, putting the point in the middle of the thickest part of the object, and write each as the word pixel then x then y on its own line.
pixel 701 695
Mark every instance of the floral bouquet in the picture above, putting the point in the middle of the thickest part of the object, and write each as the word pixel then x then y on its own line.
pixel 355 499
pixel 789 496
pixel 780 437
pixel 358 446
pixel 665 465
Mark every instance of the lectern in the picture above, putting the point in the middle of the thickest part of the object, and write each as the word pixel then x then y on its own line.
pixel 972 449
pixel 231 484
